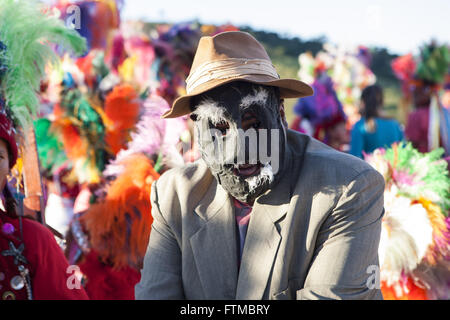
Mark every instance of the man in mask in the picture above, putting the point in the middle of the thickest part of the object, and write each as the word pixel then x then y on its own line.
pixel 266 213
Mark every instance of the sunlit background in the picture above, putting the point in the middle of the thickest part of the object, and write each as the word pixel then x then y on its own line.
pixel 400 26
pixel 392 27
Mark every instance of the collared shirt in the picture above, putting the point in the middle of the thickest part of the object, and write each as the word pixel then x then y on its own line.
pixel 242 214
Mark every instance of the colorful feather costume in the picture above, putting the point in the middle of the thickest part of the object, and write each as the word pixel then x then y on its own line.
pixel 429 70
pixel 24 62
pixel 323 109
pixel 97 18
pixel 26 32
pixel 81 130
pixel 91 129
pixel 50 149
pixel 119 225
pixel 122 108
pixel 155 137
pixel 415 241
pixel 117 230
pixel 348 69
pixel 431 67
pixel 174 49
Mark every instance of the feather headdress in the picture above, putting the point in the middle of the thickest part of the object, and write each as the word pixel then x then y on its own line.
pixel 433 63
pixel 431 68
pixel 24 31
pixel 81 130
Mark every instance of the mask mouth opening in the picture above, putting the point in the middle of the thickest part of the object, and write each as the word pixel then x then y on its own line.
pixel 254 174
pixel 264 176
pixel 247 170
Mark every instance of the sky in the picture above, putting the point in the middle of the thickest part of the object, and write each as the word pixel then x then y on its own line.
pixel 399 25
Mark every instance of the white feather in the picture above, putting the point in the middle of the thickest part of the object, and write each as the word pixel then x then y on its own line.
pixel 405 237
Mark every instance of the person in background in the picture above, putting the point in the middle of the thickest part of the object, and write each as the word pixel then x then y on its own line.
pixel 32 265
pixel 334 133
pixel 427 126
pixel 373 131
pixel 322 116
pixel 417 124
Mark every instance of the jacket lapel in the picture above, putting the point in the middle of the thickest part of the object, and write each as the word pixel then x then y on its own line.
pixel 214 244
pixel 263 235
pixel 262 242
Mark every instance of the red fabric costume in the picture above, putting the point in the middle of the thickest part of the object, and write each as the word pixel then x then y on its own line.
pixel 105 283
pixel 108 241
pixel 46 262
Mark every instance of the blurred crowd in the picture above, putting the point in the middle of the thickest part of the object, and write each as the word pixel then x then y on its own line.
pixel 101 144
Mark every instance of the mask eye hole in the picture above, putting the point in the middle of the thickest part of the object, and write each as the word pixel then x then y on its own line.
pixel 249 120
pixel 222 126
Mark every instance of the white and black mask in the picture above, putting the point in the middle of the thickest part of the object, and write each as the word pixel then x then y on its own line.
pixel 241 137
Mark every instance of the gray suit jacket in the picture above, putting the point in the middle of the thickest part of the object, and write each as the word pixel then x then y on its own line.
pixel 315 235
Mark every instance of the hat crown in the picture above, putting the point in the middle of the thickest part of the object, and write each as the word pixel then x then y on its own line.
pixel 226 45
pixel 232 56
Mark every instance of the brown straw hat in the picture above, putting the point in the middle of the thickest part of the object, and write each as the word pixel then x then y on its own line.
pixel 232 56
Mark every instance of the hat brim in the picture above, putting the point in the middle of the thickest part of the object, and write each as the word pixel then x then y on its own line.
pixel 289 88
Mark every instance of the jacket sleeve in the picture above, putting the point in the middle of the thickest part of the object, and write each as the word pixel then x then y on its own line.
pixel 161 273
pixel 345 262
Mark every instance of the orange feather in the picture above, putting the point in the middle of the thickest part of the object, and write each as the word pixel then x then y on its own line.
pixel 122 110
pixel 74 145
pixel 119 226
pixel 408 291
pixel 441 240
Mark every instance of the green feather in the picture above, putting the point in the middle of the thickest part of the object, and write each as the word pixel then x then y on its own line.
pixel 50 149
pixel 27 31
pixel 429 168
pixel 434 63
